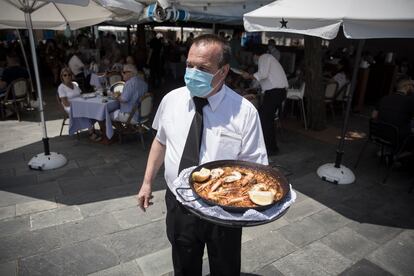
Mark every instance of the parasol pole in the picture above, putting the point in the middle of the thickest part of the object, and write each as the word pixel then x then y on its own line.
pixel 47 160
pixel 335 172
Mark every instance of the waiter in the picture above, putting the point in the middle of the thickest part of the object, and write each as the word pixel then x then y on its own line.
pixel 230 129
pixel 273 81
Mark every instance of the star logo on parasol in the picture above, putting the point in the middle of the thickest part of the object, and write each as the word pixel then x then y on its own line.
pixel 283 23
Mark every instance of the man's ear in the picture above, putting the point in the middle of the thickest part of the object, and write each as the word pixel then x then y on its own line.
pixel 225 69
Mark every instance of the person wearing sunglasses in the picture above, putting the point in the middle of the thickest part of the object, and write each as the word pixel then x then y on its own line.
pixel 68 90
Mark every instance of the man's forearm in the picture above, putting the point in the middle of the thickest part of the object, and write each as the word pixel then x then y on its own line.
pixel 155 160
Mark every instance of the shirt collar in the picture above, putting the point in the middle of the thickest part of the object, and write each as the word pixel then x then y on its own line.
pixel 215 100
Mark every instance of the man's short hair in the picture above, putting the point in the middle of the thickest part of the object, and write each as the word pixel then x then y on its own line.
pixel 130 67
pixel 215 39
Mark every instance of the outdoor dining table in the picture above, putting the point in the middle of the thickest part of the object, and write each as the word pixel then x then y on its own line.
pixel 85 110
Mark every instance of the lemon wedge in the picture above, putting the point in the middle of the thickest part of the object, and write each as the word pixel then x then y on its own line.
pixel 261 198
pixel 201 175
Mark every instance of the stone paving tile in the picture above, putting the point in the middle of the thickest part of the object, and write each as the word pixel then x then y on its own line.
pixel 137 242
pixel 10 159
pixel 7 172
pixel 95 196
pixel 49 175
pixel 138 163
pixel 349 243
pixel 17 181
pixel 132 175
pixel 303 209
pixel 157 263
pixel 88 183
pixel 395 213
pixel 55 217
pixel 35 206
pixel 365 267
pixel 28 243
pixel 7 212
pixel 365 202
pixel 269 270
pixel 88 228
pixel 92 160
pixel 324 192
pixel 39 191
pixel 297 232
pixel 330 219
pixel 124 269
pixel 300 196
pixel 78 259
pixel 250 233
pixel 314 259
pixel 107 206
pixel 110 169
pixel 70 170
pixel 10 199
pixel 14 225
pixel 379 234
pixel 396 256
pixel 134 216
pixel 8 269
pixel 270 248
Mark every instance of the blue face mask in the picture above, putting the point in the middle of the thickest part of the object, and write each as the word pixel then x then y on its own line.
pixel 198 82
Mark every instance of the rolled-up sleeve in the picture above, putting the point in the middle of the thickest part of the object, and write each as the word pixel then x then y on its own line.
pixel 263 69
pixel 158 124
pixel 253 148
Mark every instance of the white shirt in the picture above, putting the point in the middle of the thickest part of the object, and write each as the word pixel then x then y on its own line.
pixel 270 73
pixel 341 79
pixel 232 129
pixel 65 91
pixel 75 65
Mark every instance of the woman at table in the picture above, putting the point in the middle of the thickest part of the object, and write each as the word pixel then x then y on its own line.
pixel 68 90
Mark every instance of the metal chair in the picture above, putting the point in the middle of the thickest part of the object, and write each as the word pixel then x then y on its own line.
pixel 63 111
pixel 331 88
pixel 144 108
pixel 16 95
pixel 342 96
pixel 387 137
pixel 65 116
pixel 297 95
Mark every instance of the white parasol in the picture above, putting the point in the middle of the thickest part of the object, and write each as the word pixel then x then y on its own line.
pixel 323 18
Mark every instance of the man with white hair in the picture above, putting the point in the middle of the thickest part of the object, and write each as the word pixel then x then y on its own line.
pixel 134 89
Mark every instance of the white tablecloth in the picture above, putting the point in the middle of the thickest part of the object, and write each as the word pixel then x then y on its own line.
pixel 83 112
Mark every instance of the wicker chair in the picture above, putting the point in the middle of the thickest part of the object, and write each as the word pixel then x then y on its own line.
pixel 144 108
pixel 17 95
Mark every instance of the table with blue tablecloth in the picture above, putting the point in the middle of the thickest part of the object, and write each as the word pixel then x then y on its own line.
pixel 85 111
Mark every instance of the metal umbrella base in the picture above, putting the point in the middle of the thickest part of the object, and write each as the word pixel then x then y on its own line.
pixel 44 162
pixel 342 175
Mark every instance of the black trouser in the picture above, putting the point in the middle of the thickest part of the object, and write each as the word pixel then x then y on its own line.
pixel 188 234
pixel 272 101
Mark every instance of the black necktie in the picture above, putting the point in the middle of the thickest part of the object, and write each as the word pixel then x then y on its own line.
pixel 192 146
